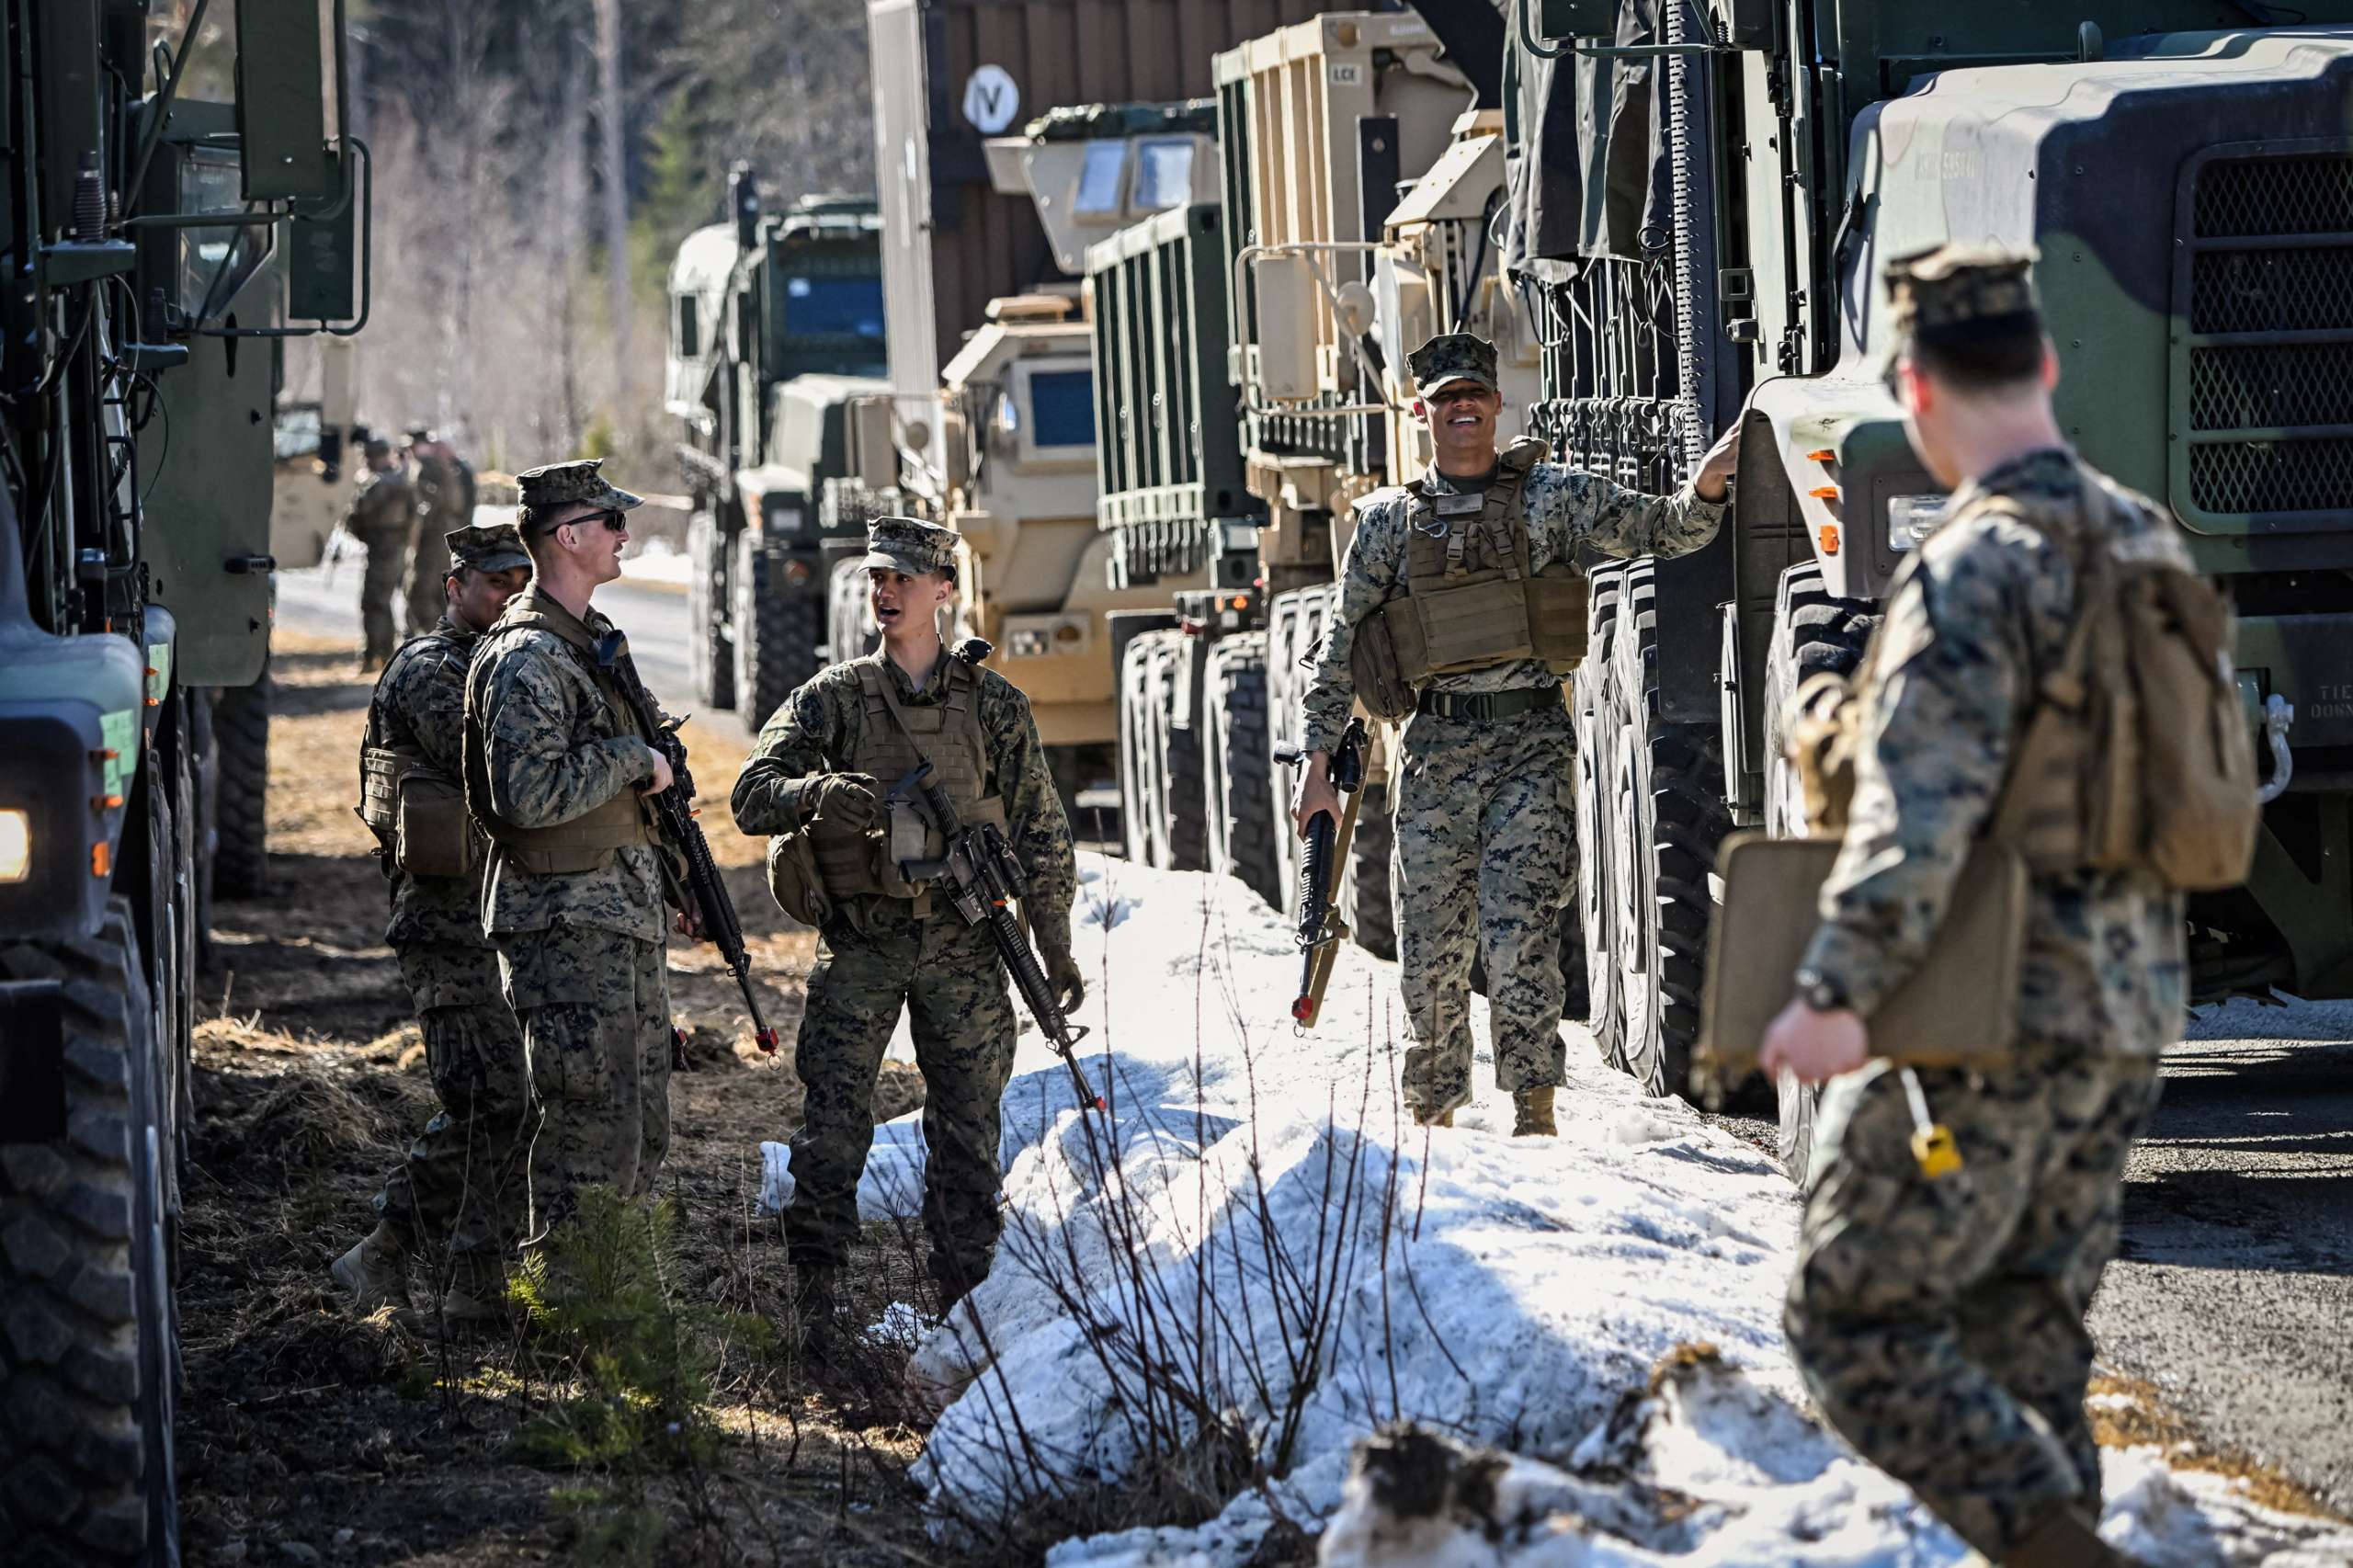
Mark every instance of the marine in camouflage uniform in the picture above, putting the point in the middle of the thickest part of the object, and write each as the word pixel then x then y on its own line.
pixel 878 952
pixel 463 1178
pixel 1485 844
pixel 445 496
pixel 1939 1321
pixel 380 517
pixel 576 891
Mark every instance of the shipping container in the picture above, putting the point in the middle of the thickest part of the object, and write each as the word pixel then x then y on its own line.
pixel 950 73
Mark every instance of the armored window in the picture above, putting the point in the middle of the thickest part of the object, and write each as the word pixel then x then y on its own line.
pixel 1100 182
pixel 689 329
pixel 834 307
pixel 1062 408
pixel 1164 174
pixel 215 264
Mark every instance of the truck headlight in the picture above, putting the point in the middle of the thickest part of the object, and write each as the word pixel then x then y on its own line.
pixel 16 845
pixel 1911 519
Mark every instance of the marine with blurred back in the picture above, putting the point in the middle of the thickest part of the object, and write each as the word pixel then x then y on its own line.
pixel 830 777
pixel 464 1181
pixel 1460 608
pixel 1958 1220
pixel 556 762
pixel 382 516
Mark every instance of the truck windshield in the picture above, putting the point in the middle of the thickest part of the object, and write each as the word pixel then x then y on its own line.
pixel 834 307
pixel 1061 404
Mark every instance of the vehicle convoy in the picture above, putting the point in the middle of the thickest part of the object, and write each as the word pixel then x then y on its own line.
pixel 1711 250
pixel 144 234
pixel 775 360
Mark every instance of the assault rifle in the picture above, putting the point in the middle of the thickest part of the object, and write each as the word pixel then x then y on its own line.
pixel 1321 929
pixel 982 877
pixel 709 909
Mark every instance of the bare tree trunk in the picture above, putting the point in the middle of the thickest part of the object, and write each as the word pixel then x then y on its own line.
pixel 609 110
pixel 572 198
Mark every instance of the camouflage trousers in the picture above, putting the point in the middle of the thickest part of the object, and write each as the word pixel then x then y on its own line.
pixel 421 589
pixel 1941 1324
pixel 464 1178
pixel 1486 861
pixel 953 984
pixel 595 1006
pixel 387 559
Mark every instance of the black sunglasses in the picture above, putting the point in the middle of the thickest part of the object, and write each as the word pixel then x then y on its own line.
pixel 614 522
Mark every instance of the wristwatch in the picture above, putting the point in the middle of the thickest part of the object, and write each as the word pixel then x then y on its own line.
pixel 1821 992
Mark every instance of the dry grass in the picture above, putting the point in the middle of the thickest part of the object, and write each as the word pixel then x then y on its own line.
pixel 2129 1413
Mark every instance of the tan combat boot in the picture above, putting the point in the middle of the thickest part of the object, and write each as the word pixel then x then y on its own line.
pixel 1443 1118
pixel 2062 1540
pixel 1532 1113
pixel 477 1290
pixel 375 1271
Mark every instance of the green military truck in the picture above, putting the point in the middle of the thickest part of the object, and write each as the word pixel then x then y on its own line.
pixel 157 249
pixel 775 354
pixel 1706 203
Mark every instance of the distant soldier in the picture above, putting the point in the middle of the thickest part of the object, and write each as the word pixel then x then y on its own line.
pixel 1485 846
pixel 382 516
pixel 463 1178
pixel 1939 1317
pixel 445 498
pixel 830 752
pixel 555 763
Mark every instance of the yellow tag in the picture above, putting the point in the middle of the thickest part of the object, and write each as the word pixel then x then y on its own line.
pixel 1935 1149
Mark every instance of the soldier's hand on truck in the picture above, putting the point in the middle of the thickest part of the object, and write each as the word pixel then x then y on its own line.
pixel 1063 976
pixel 1314 792
pixel 662 776
pixel 1718 465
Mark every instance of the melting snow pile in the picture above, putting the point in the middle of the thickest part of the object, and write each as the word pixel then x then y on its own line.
pixel 1257 1260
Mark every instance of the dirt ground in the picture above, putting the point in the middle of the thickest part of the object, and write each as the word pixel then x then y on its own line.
pixel 307 1433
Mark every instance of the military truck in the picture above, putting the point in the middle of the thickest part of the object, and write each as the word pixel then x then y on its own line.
pixel 1709 250
pixel 159 248
pixel 777 340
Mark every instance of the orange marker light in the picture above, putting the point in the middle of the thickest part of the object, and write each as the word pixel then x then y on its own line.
pixel 1828 534
pixel 1824 456
pixel 101 861
pixel 1823 492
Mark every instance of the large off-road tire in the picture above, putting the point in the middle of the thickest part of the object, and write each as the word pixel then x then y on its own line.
pixel 1667 815
pixel 1812 632
pixel 1294 630
pixel 850 632
pixel 1163 778
pixel 710 649
pixel 241 788
pixel 1367 901
pixel 1239 810
pixel 88 1361
pixel 1141 783
pixel 777 630
pixel 1593 700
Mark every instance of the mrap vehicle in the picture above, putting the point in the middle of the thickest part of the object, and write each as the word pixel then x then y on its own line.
pixel 1705 199
pixel 157 251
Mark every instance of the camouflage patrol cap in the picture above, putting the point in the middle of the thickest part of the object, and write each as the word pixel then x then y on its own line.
pixel 491 549
pixel 1452 357
pixel 1958 292
pixel 553 485
pixel 913 546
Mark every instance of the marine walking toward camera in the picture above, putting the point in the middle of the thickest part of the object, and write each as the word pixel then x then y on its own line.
pixel 825 777
pixel 2051 679
pixel 382 516
pixel 1460 608
pixel 464 1181
pixel 556 762
pixel 445 501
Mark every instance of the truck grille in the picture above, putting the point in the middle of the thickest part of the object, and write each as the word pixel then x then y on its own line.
pixel 2262 356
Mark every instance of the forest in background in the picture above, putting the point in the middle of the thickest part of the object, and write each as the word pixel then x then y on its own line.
pixel 500 317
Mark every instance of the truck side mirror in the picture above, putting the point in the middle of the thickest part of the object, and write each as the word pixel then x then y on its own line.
pixel 292 117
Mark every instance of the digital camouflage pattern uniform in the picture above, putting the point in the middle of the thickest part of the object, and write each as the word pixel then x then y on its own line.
pixel 445 496
pixel 1485 844
pixel 581 953
pixel 382 516
pixel 877 952
pixel 464 1176
pixel 1941 1322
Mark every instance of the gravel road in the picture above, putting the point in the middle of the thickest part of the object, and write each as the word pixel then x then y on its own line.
pixel 2234 1290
